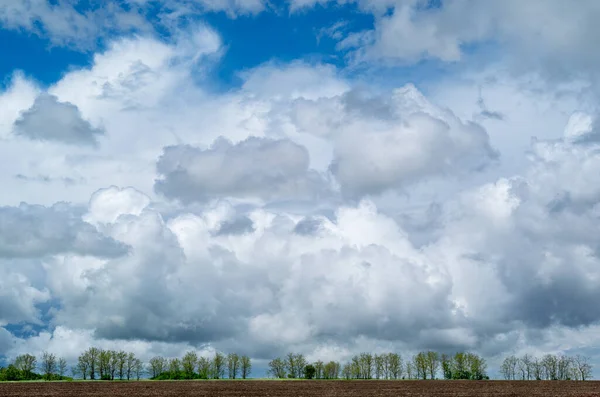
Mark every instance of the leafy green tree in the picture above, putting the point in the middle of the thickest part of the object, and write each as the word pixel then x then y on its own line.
pixel 277 368
pixel 204 368
pixel 233 365
pixel 218 366
pixel 309 371
pixel 26 363
pixel 189 363
pixel 246 366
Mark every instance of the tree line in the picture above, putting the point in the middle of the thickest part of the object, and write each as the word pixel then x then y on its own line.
pixel 24 367
pixel 548 367
pixel 99 364
pixel 424 365
pixel 192 366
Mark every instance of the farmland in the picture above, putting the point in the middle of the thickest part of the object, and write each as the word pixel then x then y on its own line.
pixel 302 388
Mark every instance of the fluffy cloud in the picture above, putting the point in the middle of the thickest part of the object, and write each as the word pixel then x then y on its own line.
pixel 390 141
pixel 51 120
pixel 253 168
pixel 64 24
pixel 437 256
pixel 548 36
pixel 34 231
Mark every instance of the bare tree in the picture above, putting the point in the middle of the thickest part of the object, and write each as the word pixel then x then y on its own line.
pixel 246 366
pixel 522 368
pixel 138 368
pixel 48 365
pixel 583 367
pixel 62 367
pixel 508 368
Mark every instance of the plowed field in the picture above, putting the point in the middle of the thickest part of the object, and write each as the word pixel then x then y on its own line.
pixel 302 388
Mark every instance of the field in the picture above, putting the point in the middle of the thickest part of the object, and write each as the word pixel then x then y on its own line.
pixel 302 388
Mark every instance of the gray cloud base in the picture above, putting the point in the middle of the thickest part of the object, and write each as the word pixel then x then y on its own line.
pixel 51 120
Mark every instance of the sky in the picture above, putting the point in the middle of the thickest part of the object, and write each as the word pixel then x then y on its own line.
pixel 319 176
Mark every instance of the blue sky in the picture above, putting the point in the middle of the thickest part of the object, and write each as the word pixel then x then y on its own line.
pixel 285 163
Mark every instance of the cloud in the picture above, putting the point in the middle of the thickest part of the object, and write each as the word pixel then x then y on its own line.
pixel 63 24
pixel 51 120
pixel 83 28
pixel 254 168
pixel 384 142
pixel 30 231
pixel 547 36
pixel 445 252
pixel 19 298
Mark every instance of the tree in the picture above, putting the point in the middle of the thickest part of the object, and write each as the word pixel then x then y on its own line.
pixel 309 371
pixel 277 368
pixel 366 365
pixel 394 361
pixel 218 366
pixel 246 366
pixel 175 368
pixel 550 366
pixel 331 370
pixel 83 365
pixel 204 368
pixel 319 369
pixel 62 367
pixel 508 368
pixel 104 357
pixel 48 365
pixel 158 365
pixel 91 356
pixel 476 366
pixel 446 366
pixel 121 364
pixel 233 365
pixel 138 368
pixel 527 363
pixel 113 364
pixel 410 371
pixel 421 365
pixel 130 365
pixel 347 371
pixel 189 362
pixel 26 363
pixel 583 367
pixel 379 361
pixel 433 363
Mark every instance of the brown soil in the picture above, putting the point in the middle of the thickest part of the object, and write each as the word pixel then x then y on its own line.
pixel 303 388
